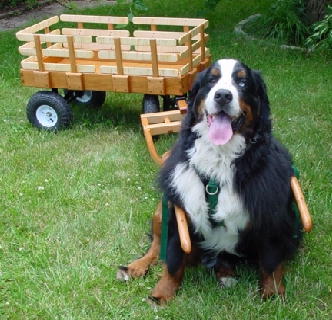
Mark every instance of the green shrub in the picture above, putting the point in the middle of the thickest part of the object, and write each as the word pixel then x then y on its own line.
pixel 321 35
pixel 15 3
pixel 283 22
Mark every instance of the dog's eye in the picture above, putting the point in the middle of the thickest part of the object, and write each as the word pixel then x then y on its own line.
pixel 213 81
pixel 242 83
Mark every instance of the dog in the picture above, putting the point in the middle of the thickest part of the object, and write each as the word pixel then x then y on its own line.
pixel 226 136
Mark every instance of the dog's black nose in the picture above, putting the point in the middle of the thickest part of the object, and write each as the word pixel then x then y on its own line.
pixel 223 96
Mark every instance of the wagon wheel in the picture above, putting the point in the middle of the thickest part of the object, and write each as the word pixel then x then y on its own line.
pixel 169 103
pixel 48 110
pixel 90 99
pixel 150 103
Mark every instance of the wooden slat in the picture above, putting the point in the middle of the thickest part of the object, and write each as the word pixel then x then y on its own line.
pixel 120 83
pixel 39 53
pixel 172 49
pixel 157 34
pixel 96 46
pixel 32 64
pixel 42 79
pixel 136 41
pixel 168 21
pixel 47 30
pixel 53 38
pixel 185 69
pixel 159 117
pixel 93 19
pixel 29 36
pixel 161 34
pixel 156 85
pixel 72 58
pixel 41 25
pixel 74 81
pixel 190 53
pixel 95 32
pixel 118 56
pixel 48 22
pixel 139 71
pixel 79 26
pixel 55 51
pixel 153 27
pixel 162 128
pixel 154 58
pixel 64 53
pixel 27 49
pixel 192 33
pixel 202 36
pixel 195 49
pixel 138 56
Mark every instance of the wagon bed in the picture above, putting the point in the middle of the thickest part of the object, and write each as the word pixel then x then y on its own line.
pixel 68 51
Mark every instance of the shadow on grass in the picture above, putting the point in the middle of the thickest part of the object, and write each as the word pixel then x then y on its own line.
pixel 121 112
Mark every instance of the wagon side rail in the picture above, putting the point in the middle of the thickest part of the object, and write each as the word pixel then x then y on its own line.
pixel 191 42
pixel 80 50
pixel 110 44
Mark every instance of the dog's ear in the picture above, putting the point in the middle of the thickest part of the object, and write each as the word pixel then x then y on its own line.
pixel 264 107
pixel 191 115
pixel 260 86
pixel 197 84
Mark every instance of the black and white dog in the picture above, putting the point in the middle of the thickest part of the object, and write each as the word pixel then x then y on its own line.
pixel 226 136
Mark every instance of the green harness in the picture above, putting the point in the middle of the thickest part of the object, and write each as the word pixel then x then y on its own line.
pixel 211 193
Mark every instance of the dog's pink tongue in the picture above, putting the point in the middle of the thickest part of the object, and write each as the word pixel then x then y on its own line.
pixel 220 131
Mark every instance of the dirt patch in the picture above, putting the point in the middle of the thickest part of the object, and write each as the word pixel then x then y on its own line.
pixel 48 10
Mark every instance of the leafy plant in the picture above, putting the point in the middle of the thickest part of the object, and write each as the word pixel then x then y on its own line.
pixel 283 22
pixel 136 7
pixel 321 36
pixel 15 3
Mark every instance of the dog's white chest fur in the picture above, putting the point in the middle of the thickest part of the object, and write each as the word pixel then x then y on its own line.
pixel 214 162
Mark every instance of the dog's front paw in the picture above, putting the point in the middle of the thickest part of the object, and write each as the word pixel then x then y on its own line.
pixel 272 289
pixel 134 270
pixel 227 282
pixel 122 274
pixel 159 301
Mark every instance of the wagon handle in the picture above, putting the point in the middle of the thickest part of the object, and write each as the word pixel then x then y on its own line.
pixel 183 229
pixel 149 141
pixel 301 204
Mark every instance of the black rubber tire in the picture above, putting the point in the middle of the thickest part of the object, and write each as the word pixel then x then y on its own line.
pixel 56 104
pixel 168 103
pixel 150 103
pixel 95 100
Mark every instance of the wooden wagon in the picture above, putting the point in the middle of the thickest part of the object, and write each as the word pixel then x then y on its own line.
pixel 69 52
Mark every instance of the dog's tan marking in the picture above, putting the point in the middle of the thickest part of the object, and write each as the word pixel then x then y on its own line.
pixel 200 110
pixel 139 267
pixel 168 285
pixel 272 284
pixel 225 275
pixel 246 108
pixel 216 72
pixel 241 74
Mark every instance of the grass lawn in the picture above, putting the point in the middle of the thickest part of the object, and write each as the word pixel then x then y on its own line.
pixel 76 204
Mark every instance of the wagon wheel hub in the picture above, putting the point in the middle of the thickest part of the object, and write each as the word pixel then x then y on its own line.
pixel 46 115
